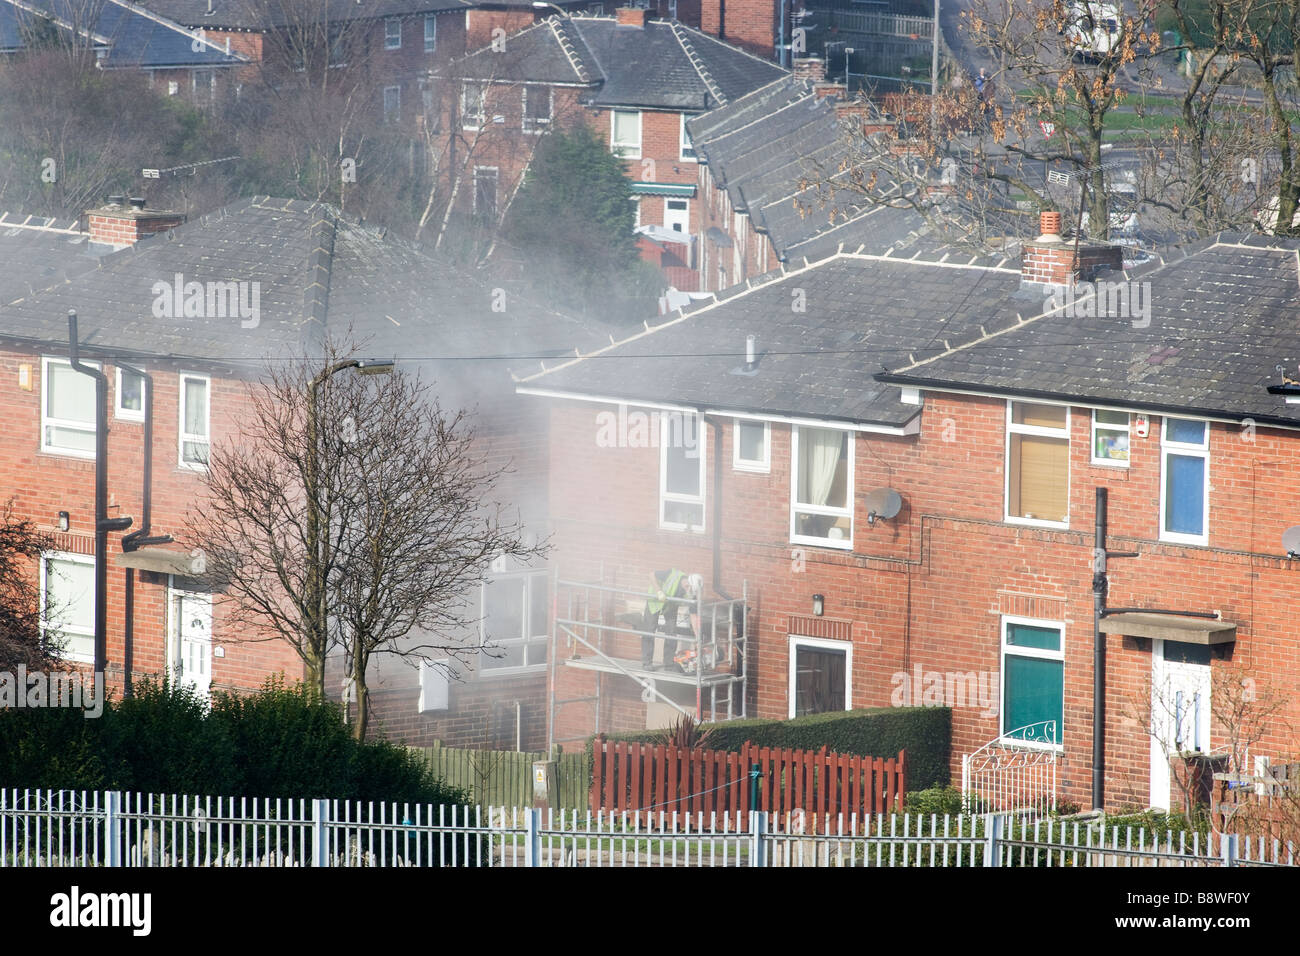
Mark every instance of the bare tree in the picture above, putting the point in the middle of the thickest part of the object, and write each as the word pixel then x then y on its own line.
pixel 353 513
pixel 24 637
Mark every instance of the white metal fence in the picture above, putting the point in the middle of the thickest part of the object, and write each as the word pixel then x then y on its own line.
pixel 92 828
pixel 1014 772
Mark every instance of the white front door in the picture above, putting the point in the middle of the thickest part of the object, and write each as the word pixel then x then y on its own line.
pixel 677 215
pixel 192 639
pixel 1180 709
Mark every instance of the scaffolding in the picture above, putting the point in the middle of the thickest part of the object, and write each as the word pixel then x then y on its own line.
pixel 594 622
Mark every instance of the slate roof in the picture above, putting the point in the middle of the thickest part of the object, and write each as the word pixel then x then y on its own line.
pixel 664 65
pixel 36 252
pixel 133 36
pixel 763 146
pixel 861 312
pixel 314 270
pixel 1223 315
pixel 249 15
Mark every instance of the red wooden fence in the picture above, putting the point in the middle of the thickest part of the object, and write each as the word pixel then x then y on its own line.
pixel 648 778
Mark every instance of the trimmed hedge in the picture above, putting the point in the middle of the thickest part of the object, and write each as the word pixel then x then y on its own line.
pixel 278 742
pixel 924 732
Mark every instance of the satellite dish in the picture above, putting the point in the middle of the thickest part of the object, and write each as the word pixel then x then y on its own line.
pixel 1291 541
pixel 884 503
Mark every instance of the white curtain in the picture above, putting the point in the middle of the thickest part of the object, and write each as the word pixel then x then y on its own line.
pixel 819 453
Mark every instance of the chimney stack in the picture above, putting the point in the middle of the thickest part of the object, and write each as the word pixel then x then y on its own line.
pixel 119 224
pixel 631 17
pixel 812 68
pixel 1050 259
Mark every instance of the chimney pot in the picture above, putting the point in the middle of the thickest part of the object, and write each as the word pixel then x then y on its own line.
pixel 137 202
pixel 1049 223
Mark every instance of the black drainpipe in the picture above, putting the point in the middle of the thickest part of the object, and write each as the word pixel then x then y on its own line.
pixel 103 524
pixel 139 538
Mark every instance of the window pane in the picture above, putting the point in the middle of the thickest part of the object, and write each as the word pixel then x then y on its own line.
pixel 679 512
pixel 1185 494
pixel 1027 635
pixel 819 680
pixel 539 608
pixel 131 398
pixel 683 470
pixel 627 128
pixel 1041 416
pixel 1110 444
pixel 70 594
pixel 72 439
pixel 1111 418
pixel 196 407
pixel 1186 431
pixel 823 467
pixel 1039 478
pixel 750 436
pixel 70 395
pixel 1184 653
pixel 503 609
pixel 1034 693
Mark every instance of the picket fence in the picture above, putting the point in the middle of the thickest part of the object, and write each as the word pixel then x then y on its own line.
pixel 40 828
pixel 645 778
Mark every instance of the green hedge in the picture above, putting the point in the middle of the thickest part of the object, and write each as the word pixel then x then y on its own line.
pixel 278 742
pixel 924 732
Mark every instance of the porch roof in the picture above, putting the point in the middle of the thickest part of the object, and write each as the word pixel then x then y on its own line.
pixel 1170 627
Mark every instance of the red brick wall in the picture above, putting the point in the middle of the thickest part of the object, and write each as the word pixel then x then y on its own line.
pixel 749 24
pixel 43 484
pixel 930 587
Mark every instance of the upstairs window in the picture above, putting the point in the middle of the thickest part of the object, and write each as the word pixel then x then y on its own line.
pixel 1185 481
pixel 822 487
pixel 537 107
pixel 430 32
pixel 1038 463
pixel 681 472
pixel 687 148
pixel 473 112
pixel 195 438
pixel 129 404
pixel 392 103
pixel 485 192
pixel 625 133
pixel 67 409
pixel 1110 435
pixel 392 34
pixel 751 448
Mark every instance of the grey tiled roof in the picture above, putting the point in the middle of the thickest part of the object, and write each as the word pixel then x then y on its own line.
pixel 252 15
pixel 134 36
pixel 859 313
pixel 768 149
pixel 1223 315
pixel 36 252
pixel 664 65
pixel 310 266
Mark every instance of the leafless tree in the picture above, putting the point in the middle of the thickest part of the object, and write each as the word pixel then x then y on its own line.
pixel 353 512
pixel 26 631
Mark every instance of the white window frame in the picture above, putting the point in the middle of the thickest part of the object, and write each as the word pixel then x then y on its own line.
pixel 666 420
pixel 485 668
pixel 796 641
pixel 843 544
pixel 636 204
pixel 684 143
pixel 391 42
pixel 1185 450
pixel 1092 440
pixel 756 465
pixel 1039 430
pixel 47 420
pixel 70 558
pixel 181 435
pixel 479 118
pixel 128 414
pixel 496 177
pixel 396 112
pixel 626 150
pixel 430 32
pixel 1039 654
pixel 537 125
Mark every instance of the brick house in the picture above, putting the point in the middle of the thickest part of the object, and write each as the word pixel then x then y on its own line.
pixel 306 269
pixel 761 159
pixel 938 520
pixel 126 36
pixel 635 81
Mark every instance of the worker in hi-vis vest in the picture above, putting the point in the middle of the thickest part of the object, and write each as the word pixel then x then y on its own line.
pixel 666 617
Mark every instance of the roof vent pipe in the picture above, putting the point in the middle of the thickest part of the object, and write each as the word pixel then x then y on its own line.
pixel 751 352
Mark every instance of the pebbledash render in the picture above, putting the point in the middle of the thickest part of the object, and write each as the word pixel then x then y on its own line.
pixel 963 387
